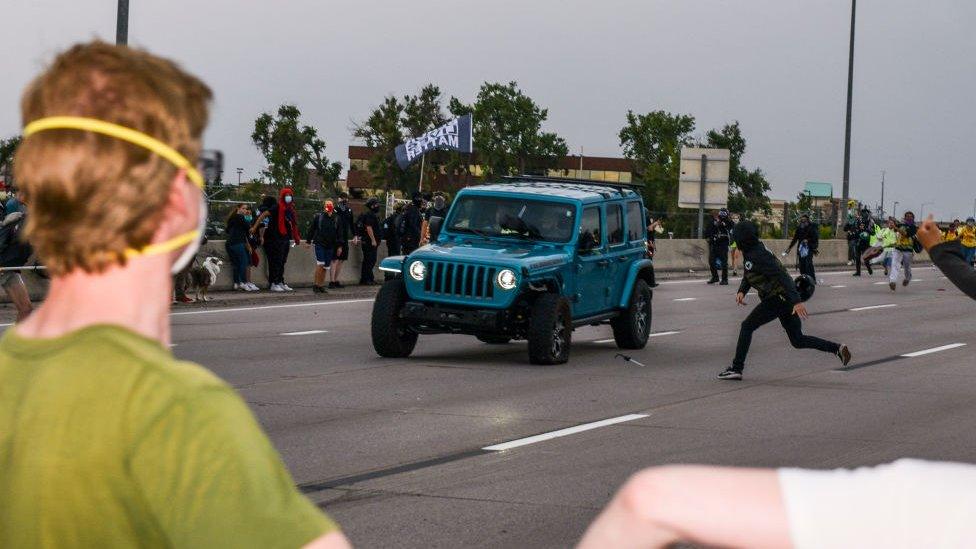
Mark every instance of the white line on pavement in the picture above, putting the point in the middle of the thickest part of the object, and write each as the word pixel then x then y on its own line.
pixel 933 350
pixel 839 286
pixel 869 307
pixel 309 332
pixel 561 433
pixel 263 307
pixel 685 298
pixel 881 282
pixel 655 334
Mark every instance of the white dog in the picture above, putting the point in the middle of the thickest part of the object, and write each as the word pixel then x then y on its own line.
pixel 205 276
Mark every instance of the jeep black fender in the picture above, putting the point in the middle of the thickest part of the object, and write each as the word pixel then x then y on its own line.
pixel 638 269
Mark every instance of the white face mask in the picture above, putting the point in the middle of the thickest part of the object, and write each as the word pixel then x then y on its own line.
pixel 288 199
pixel 194 246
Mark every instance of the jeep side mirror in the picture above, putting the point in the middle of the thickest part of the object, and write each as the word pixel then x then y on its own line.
pixel 434 225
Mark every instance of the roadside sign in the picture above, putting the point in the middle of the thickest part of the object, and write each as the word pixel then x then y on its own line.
pixel 716 166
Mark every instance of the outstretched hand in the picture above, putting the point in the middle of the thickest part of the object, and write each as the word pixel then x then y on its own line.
pixel 928 234
pixel 800 310
pixel 740 298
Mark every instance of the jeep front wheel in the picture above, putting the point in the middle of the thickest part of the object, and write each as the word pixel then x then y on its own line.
pixel 392 338
pixel 550 330
pixel 633 326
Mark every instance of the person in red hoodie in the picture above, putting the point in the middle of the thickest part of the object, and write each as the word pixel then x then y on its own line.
pixel 282 228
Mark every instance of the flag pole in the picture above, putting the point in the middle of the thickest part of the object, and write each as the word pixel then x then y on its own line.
pixel 420 186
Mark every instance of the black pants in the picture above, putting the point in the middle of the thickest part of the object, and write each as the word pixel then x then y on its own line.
pixel 369 261
pixel 392 248
pixel 408 245
pixel 277 252
pixel 806 265
pixel 767 311
pixel 718 258
pixel 862 246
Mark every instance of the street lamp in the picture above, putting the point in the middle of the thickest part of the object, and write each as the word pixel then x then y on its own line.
pixel 239 172
pixel 921 212
pixel 847 127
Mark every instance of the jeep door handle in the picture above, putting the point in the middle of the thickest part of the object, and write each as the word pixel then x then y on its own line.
pixel 603 262
pixel 623 259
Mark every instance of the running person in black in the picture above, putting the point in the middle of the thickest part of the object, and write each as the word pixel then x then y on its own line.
pixel 807 234
pixel 778 300
pixel 718 234
pixel 863 229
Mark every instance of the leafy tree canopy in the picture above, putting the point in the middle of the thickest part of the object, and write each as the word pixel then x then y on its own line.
pixel 290 148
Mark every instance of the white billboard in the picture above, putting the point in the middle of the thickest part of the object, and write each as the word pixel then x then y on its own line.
pixel 716 178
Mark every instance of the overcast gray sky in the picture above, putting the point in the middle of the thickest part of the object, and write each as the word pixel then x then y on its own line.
pixel 777 66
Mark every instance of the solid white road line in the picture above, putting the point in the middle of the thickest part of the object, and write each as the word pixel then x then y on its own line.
pixel 881 282
pixel 933 350
pixel 686 299
pixel 869 307
pixel 309 332
pixel 839 286
pixel 655 334
pixel 263 307
pixel 562 432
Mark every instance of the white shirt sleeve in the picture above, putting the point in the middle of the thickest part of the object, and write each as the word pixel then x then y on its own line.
pixel 909 503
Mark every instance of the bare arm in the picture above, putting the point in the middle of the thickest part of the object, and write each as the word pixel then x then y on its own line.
pixel 372 237
pixel 332 540
pixel 257 222
pixel 712 506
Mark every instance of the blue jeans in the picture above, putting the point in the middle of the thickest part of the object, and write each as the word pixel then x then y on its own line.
pixel 968 254
pixel 240 261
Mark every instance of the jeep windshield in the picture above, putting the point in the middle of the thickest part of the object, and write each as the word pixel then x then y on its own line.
pixel 495 216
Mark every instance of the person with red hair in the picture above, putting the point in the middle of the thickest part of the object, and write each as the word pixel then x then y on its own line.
pixel 283 227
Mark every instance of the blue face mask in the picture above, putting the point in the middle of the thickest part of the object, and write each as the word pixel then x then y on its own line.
pixel 288 199
pixel 248 218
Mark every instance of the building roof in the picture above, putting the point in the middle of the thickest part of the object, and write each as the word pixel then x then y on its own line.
pixel 582 191
pixel 818 190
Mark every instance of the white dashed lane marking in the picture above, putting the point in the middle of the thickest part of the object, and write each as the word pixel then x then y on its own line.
pixel 934 350
pixel 869 307
pixel 561 433
pixel 686 299
pixel 309 332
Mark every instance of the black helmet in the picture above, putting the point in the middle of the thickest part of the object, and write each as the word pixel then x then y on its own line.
pixel 372 202
pixel 805 284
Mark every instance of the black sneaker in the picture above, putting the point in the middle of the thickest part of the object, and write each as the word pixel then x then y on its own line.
pixel 844 354
pixel 723 283
pixel 333 285
pixel 735 272
pixel 856 274
pixel 870 271
pixel 730 373
pixel 712 281
pixel 892 286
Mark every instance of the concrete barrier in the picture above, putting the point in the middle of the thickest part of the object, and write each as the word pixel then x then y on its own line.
pixel 672 256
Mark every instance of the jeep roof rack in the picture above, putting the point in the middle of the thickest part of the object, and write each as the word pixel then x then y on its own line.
pixel 587 182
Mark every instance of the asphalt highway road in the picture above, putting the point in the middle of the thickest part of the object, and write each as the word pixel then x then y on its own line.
pixel 395 450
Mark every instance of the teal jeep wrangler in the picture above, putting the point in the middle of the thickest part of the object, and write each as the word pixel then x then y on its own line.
pixel 527 258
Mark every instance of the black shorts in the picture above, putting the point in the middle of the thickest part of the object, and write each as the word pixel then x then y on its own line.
pixel 341 251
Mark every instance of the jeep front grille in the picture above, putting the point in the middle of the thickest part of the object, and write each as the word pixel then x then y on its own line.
pixel 460 280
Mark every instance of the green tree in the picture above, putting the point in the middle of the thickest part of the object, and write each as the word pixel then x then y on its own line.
pixel 747 189
pixel 8 147
pixel 390 124
pixel 653 141
pixel 508 134
pixel 290 148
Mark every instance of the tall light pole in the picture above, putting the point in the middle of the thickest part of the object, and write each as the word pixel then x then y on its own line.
pixel 850 100
pixel 882 192
pixel 921 211
pixel 239 172
pixel 122 24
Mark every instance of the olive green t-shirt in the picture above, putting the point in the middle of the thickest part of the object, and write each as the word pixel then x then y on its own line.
pixel 106 441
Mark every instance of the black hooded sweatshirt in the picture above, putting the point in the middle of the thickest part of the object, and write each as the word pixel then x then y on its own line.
pixel 763 271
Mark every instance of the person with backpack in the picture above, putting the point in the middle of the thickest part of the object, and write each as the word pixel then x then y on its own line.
pixel 904 253
pixel 410 224
pixel 345 234
pixel 368 225
pixel 281 229
pixel 323 235
pixel 390 231
pixel 778 299
pixel 807 238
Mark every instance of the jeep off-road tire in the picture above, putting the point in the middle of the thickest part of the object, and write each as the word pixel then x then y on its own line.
pixel 550 330
pixel 392 338
pixel 633 326
pixel 493 339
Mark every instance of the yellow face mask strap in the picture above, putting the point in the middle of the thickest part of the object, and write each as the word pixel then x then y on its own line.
pixel 136 138
pixel 118 132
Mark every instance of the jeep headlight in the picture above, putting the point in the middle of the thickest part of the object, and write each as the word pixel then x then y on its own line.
pixel 506 279
pixel 417 270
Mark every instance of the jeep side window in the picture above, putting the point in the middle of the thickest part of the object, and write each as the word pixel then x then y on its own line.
pixel 636 230
pixel 615 224
pixel 590 238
